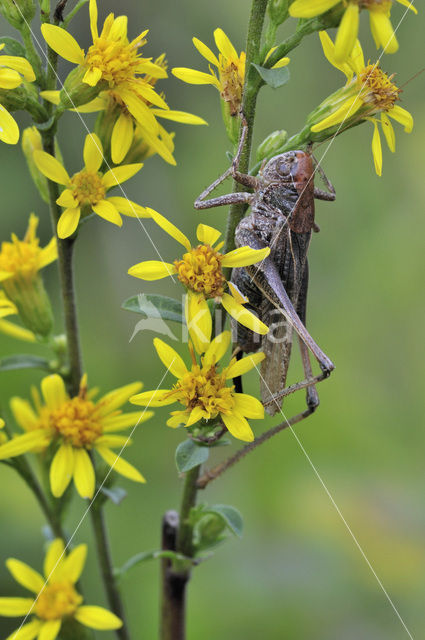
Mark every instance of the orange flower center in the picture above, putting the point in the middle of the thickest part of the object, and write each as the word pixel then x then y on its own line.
pixel 117 59
pixel 204 387
pixel 57 601
pixel 374 5
pixel 200 270
pixel 77 421
pixel 232 75
pixel 87 187
pixel 19 257
pixel 379 91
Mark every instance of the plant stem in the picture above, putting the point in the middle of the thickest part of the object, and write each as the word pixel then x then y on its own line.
pixel 33 57
pixel 249 100
pixel 105 561
pixel 177 535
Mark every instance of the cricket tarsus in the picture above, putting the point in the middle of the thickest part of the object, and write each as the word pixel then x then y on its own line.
pixel 282 218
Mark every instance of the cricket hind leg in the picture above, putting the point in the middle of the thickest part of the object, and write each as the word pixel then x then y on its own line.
pixel 312 397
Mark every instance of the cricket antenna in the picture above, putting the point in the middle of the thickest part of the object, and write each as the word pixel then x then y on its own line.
pixel 413 77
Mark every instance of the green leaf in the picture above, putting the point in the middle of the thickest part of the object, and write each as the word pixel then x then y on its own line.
pixel 231 516
pixel 22 361
pixel 115 495
pixel 144 556
pixel 13 47
pixel 275 78
pixel 156 306
pixel 189 455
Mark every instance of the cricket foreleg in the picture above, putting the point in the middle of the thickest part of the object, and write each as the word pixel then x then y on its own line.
pixel 319 194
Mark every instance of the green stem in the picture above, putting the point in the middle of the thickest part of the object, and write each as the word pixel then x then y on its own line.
pixel 32 55
pixel 65 259
pixel 249 101
pixel 185 532
pixel 74 12
pixel 105 561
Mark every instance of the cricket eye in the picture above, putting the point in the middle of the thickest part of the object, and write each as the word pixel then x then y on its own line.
pixel 283 169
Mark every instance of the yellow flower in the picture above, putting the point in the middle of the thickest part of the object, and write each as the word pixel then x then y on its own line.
pixel 20 263
pixel 86 190
pixel 380 22
pixel 368 92
pixel 56 599
pixel 202 389
pixel 200 270
pixel 13 70
pixel 7 308
pixel 230 66
pixel 115 61
pixel 74 426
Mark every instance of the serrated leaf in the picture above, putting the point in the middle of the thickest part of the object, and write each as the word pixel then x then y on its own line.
pixel 231 516
pixel 190 455
pixel 22 361
pixel 115 495
pixel 13 47
pixel 156 306
pixel 275 78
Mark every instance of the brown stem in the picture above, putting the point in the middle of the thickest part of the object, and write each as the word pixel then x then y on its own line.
pixel 212 474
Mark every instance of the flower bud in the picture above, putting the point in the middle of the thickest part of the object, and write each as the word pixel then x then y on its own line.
pixel 278 10
pixel 75 92
pixel 31 141
pixel 271 145
pixel 32 303
pixel 209 530
pixel 17 12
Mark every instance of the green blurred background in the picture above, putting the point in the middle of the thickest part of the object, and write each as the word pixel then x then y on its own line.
pixel 297 572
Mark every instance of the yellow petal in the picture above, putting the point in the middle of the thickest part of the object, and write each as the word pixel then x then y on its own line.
pixel 310 8
pixel 21 65
pixel 207 235
pixel 72 565
pixel 158 145
pixel 283 62
pixel 54 557
pixel 93 152
pixel 157 398
pixel 195 416
pixel 388 130
pixel 92 76
pixel 23 413
pixel 128 207
pixel 125 420
pixel 27 632
pixel 408 4
pixel 33 441
pixel 347 32
pixel 122 137
pixel 243 315
pixel 119 465
pixel 239 367
pixel 205 51
pixel 248 406
pixel 115 399
pixel 224 45
pixel 93 19
pixel 346 110
pixel 51 167
pixel 63 43
pixel 9 130
pixel 68 222
pixel 377 149
pixel 54 392
pixel 329 51
pixel 198 320
pixel 97 618
pixel 51 96
pixel 9 79
pixel 84 477
pixel 67 200
pixel 237 293
pixel 170 358
pixel 191 76
pixel 112 441
pixel 15 607
pixel 15 331
pixel 139 110
pixel 403 117
pixel 152 270
pixel 61 470
pixel 25 575
pixel 383 31
pixel 117 175
pixel 107 211
pixel 49 253
pixel 238 426
pixel 244 256
pixel 217 348
pixel 169 228
pixel 177 419
pixel 178 116
pixel 50 630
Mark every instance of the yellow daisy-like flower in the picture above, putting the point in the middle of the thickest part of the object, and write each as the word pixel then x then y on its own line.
pixel 230 67
pixel 56 599
pixel 202 389
pixel 380 21
pixel 200 270
pixel 369 92
pixel 75 426
pixel 13 71
pixel 7 308
pixel 116 61
pixel 86 191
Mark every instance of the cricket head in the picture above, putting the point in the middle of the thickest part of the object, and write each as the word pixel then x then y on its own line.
pixel 292 167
